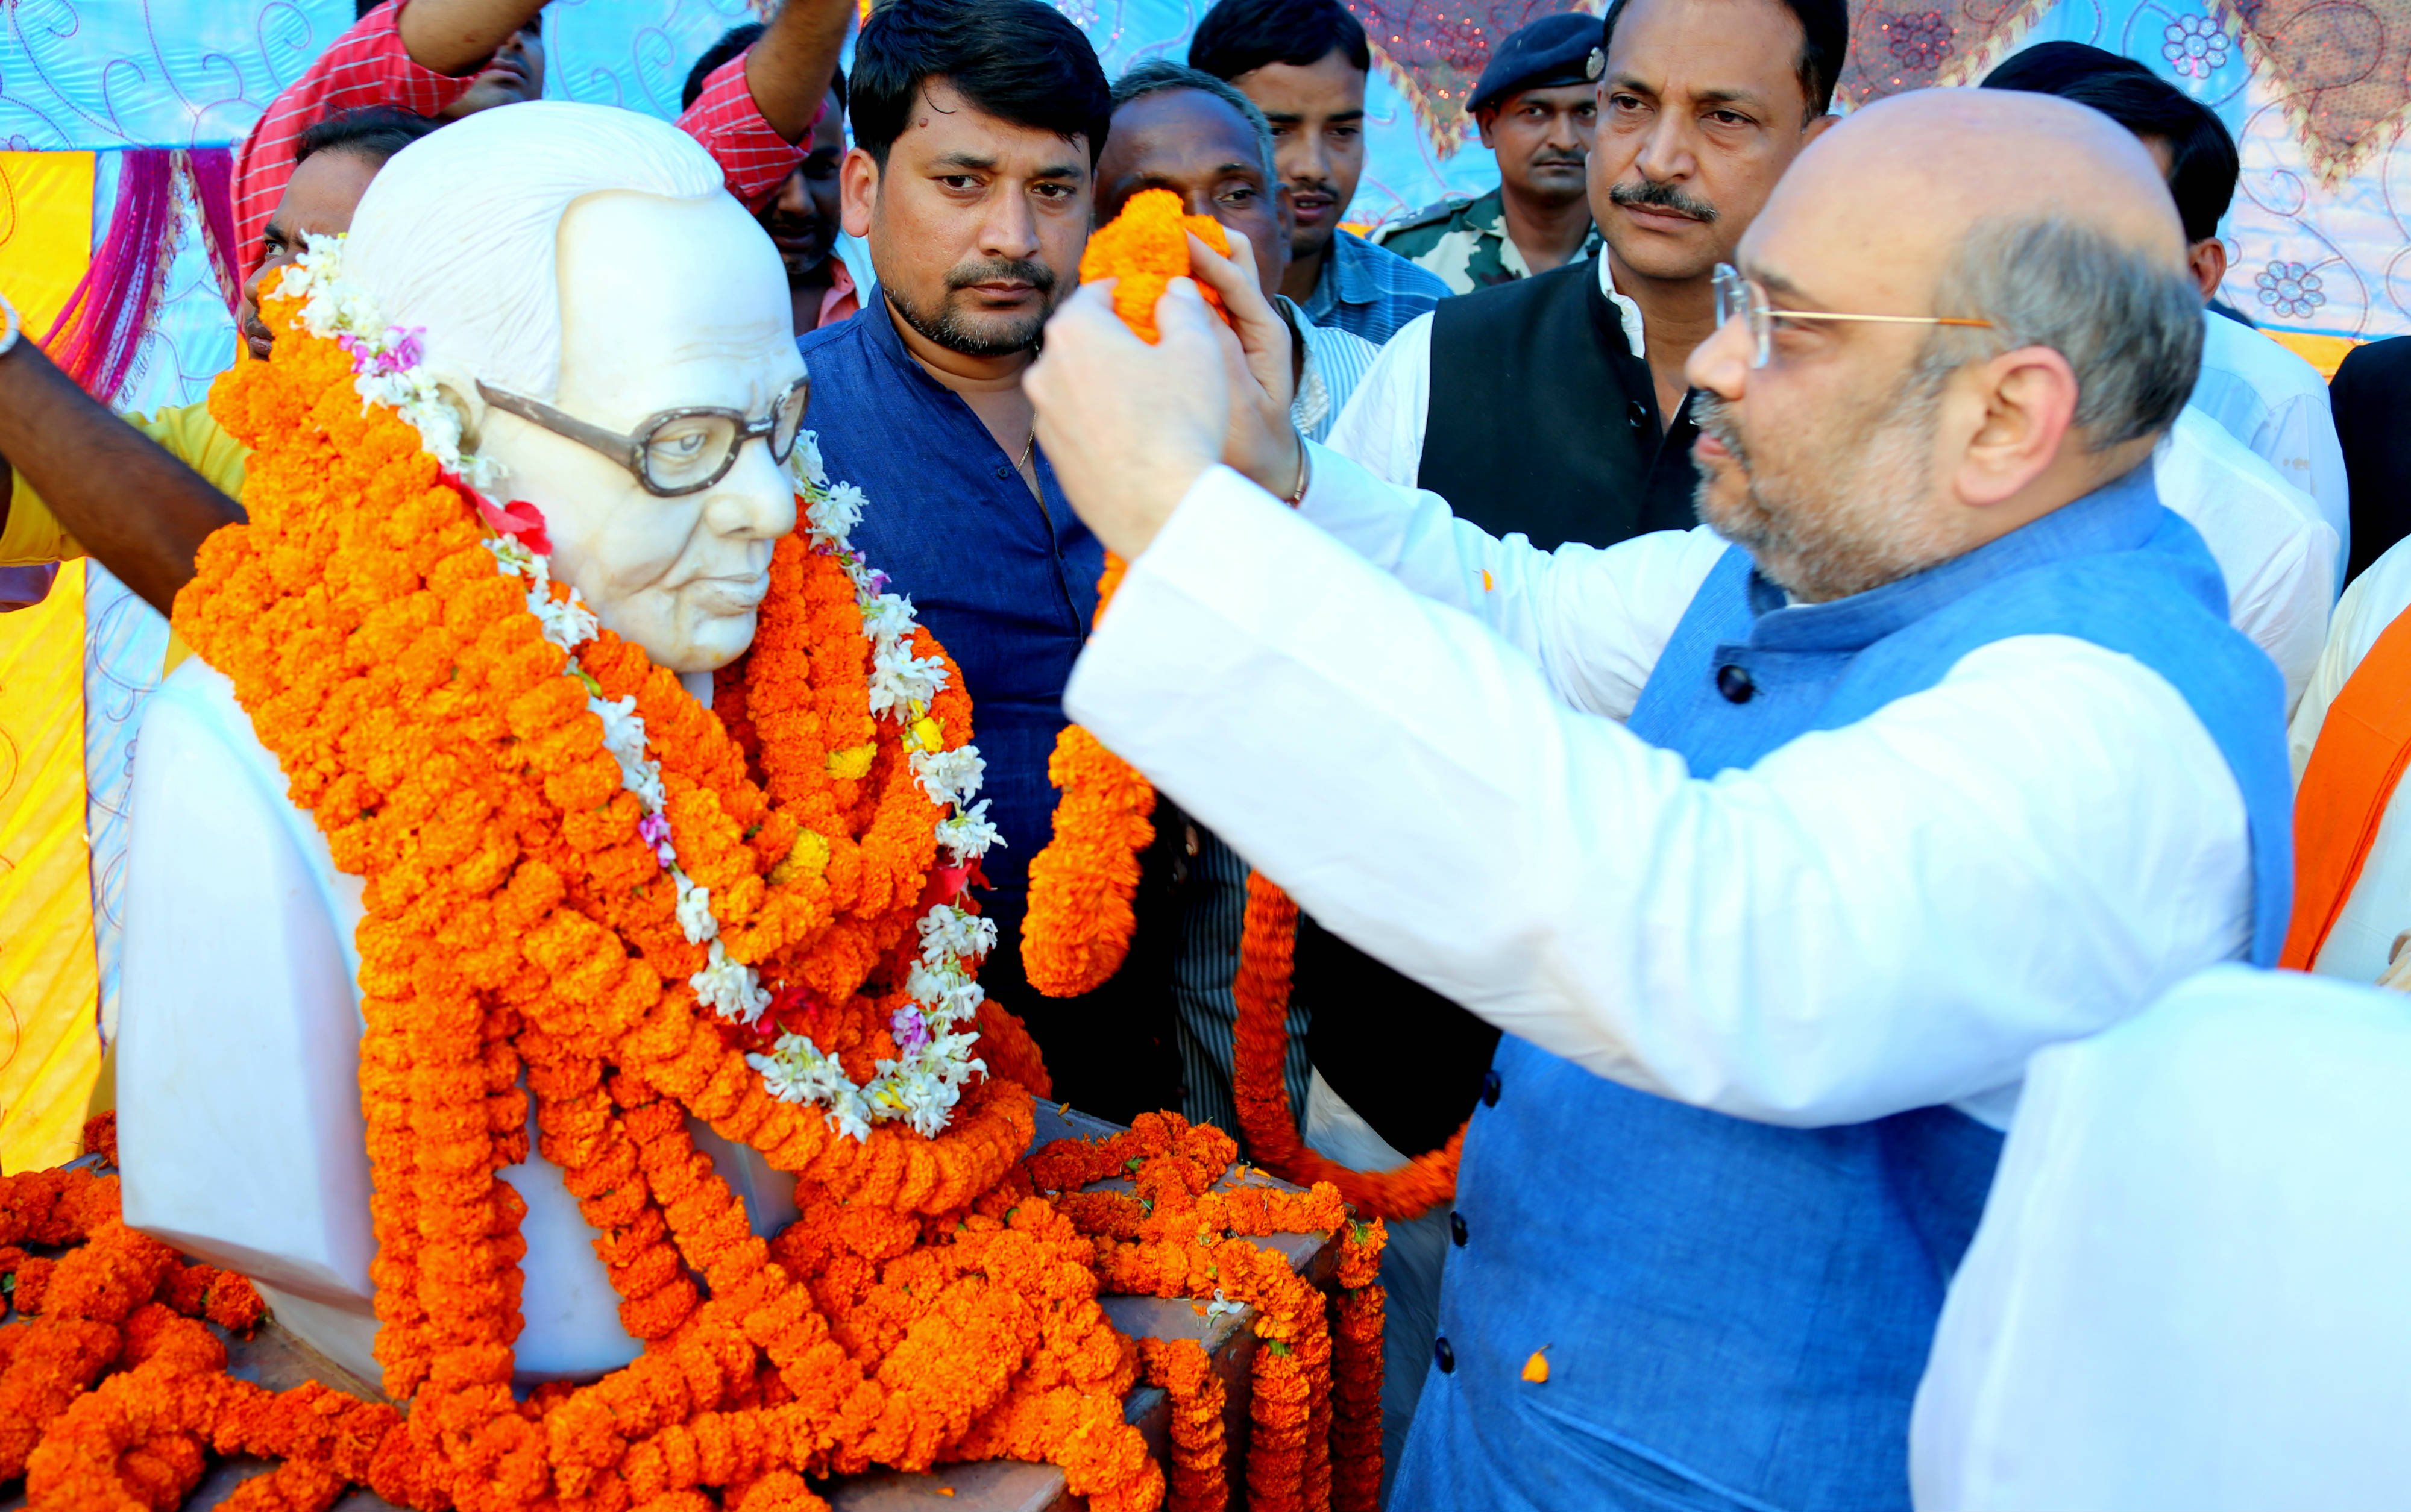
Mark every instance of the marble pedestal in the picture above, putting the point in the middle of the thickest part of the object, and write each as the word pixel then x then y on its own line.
pixel 275 1358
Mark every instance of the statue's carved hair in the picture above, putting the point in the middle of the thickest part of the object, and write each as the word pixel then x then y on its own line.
pixel 460 232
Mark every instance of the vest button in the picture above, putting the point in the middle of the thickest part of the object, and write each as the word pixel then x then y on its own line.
pixel 1734 683
pixel 1456 1228
pixel 1638 414
pixel 1444 1357
pixel 1490 1090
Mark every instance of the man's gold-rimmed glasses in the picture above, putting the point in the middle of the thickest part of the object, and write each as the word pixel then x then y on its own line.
pixel 1737 295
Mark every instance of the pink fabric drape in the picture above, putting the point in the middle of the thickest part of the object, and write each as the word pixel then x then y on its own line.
pixel 104 321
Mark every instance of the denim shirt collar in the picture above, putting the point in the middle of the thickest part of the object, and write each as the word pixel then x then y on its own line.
pixel 2118 516
pixel 880 322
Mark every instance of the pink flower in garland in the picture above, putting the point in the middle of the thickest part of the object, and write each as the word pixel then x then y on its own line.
pixel 399 351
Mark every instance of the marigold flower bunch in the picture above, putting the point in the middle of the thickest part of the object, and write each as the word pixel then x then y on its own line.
pixel 584 888
pixel 1260 1047
pixel 1316 1435
pixel 1077 931
pixel 117 1300
pixel 1144 249
pixel 525 920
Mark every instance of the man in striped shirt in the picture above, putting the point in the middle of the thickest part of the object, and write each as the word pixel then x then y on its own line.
pixel 445 57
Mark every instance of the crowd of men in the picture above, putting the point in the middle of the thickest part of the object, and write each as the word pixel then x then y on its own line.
pixel 1676 307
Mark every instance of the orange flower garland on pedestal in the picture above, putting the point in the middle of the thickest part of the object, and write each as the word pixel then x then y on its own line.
pixel 1260 1045
pixel 1078 930
pixel 524 921
pixel 1195 1482
pixel 1173 1236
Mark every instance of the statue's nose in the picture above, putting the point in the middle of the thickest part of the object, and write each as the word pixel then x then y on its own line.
pixel 757 501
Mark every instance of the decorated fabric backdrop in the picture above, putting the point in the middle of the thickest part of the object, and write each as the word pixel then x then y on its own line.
pixel 2314 90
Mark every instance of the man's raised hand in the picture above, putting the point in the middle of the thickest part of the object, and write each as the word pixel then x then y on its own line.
pixel 1130 426
pixel 1262 444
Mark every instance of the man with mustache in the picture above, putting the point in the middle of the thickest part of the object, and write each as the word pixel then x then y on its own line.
pixel 1537 107
pixel 977 126
pixel 802 217
pixel 1777 848
pixel 1304 63
pixel 1702 104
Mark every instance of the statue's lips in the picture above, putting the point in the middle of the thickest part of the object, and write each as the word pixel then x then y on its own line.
pixel 729 595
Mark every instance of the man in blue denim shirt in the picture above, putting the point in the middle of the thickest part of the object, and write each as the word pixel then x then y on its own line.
pixel 976 127
pixel 1304 63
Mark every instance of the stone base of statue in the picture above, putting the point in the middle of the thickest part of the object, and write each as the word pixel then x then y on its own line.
pixel 276 1358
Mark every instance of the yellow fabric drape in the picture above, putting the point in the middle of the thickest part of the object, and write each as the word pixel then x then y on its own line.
pixel 50 982
pixel 2325 353
pixel 45 232
pixel 49 979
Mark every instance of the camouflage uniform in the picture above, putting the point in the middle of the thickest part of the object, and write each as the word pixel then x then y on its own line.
pixel 1465 242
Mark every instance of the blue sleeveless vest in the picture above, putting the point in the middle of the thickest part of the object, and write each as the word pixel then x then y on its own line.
pixel 1736 1313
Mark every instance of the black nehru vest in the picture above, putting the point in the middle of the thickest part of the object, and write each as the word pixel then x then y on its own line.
pixel 1542 420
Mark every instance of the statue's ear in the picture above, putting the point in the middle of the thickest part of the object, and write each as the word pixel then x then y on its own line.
pixel 459 388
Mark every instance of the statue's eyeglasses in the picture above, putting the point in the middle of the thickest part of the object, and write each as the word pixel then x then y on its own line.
pixel 1738 296
pixel 677 451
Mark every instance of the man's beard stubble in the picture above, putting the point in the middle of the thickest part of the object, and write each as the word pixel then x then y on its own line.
pixel 955 329
pixel 1863 520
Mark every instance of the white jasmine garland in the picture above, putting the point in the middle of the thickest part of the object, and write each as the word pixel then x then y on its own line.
pixel 923 1084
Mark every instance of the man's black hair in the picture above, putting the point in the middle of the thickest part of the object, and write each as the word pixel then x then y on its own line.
pixel 1824 42
pixel 361 7
pixel 1239 37
pixel 2202 162
pixel 375 132
pixel 1019 60
pixel 2050 68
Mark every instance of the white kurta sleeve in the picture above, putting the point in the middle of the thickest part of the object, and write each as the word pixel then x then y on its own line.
pixel 1883 917
pixel 1383 423
pixel 1594 618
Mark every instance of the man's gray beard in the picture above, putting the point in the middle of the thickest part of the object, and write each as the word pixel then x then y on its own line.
pixel 1874 523
pixel 952 330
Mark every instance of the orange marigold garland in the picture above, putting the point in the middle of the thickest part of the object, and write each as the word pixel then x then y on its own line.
pixel 1260 1045
pixel 1195 1482
pixel 1356 1319
pixel 1144 248
pixel 1078 930
pixel 1315 1395
pixel 541 817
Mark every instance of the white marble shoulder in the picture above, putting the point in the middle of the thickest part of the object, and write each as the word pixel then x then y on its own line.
pixel 238 1109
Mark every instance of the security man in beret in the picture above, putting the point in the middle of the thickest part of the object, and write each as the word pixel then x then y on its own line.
pixel 1537 105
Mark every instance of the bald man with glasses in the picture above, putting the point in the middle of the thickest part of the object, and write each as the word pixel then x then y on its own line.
pixel 1776 847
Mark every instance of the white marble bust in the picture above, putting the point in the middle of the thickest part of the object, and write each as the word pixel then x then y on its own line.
pixel 588 260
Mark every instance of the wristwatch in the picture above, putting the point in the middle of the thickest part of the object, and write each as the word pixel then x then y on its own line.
pixel 10 325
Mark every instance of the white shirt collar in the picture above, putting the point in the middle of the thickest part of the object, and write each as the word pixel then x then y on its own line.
pixel 1624 307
